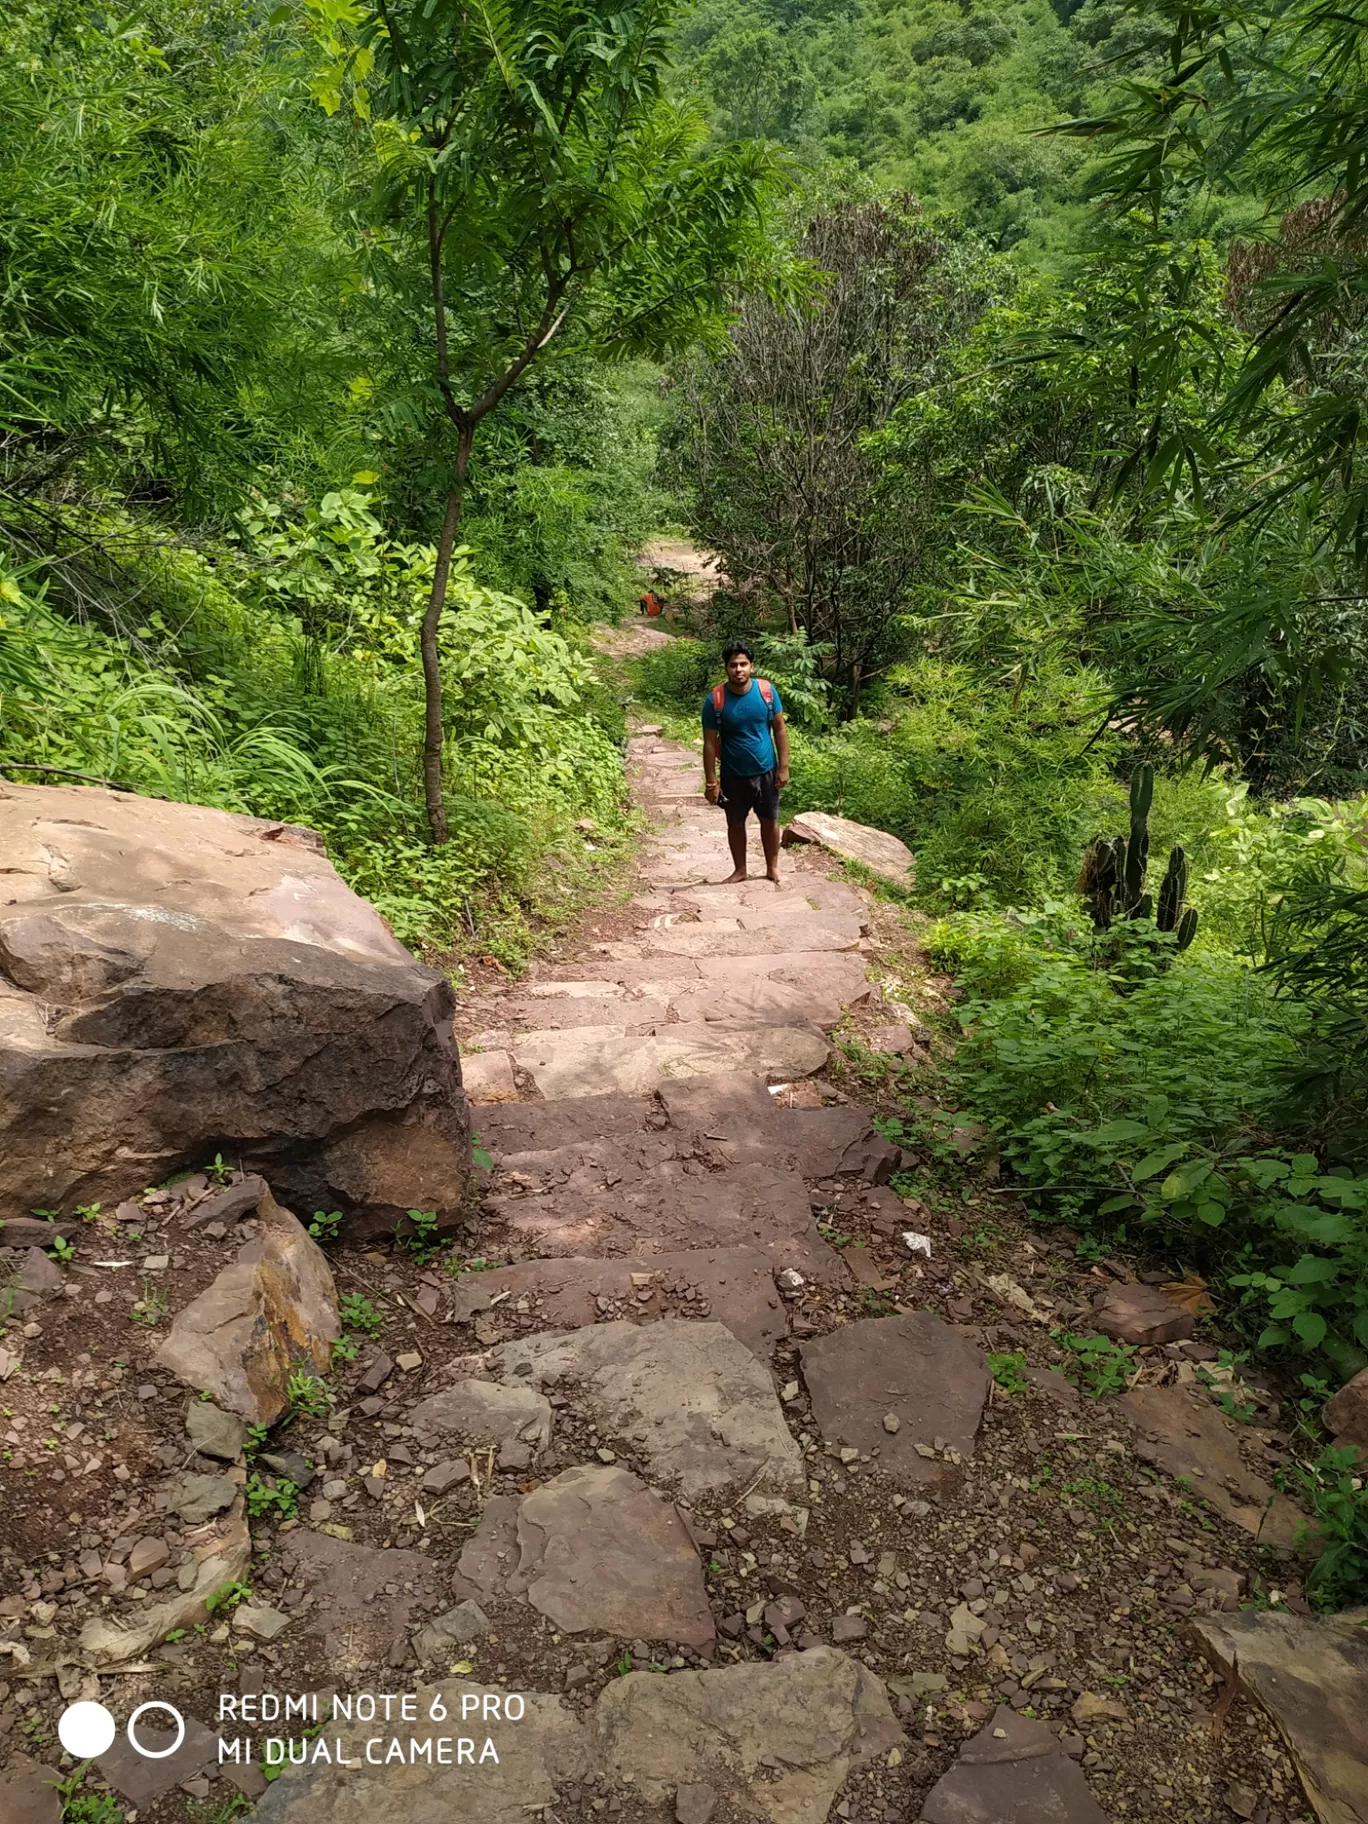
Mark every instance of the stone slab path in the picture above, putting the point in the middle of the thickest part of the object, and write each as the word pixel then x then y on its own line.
pixel 722 981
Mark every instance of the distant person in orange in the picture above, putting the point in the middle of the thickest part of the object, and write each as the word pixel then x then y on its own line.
pixel 651 603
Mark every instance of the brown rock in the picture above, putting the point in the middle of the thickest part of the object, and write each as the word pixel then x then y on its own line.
pixel 36 1273
pixel 29 1795
pixel 925 1373
pixel 789 1732
pixel 143 1779
pixel 848 1628
pixel 485 1412
pixel 600 1552
pixel 182 979
pixel 273 1308
pixel 1184 1434
pixel 366 1602
pixel 694 1804
pixel 148 1553
pixel 1142 1315
pixel 1012 1772
pixel 876 850
pixel 446 1475
pixel 737 1284
pixel 1345 1415
pixel 1311 1676
pixel 33 1232
pixel 220 1554
pixel 895 1040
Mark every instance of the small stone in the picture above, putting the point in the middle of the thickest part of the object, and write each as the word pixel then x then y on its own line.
pixel 146 1555
pixel 215 1433
pixel 847 1628
pixel 377 1374
pixel 147 1391
pixel 157 1263
pixel 458 1627
pixel 198 1498
pixel 408 1361
pixel 443 1476
pixel 260 1622
pixel 892 1422
pixel 694 1804
pixel 1242 1800
pixel 1090 1708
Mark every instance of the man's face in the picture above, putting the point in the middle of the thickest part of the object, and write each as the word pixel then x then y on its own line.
pixel 738 671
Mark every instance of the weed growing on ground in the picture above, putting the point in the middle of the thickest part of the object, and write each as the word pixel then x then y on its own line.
pixel 1095 1364
pixel 1337 1497
pixel 1009 1371
pixel 326 1225
pixel 358 1313
pixel 262 1498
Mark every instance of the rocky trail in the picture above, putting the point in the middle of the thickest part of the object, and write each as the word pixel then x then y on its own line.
pixel 731 1434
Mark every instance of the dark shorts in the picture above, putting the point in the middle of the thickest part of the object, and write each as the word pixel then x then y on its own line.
pixel 742 794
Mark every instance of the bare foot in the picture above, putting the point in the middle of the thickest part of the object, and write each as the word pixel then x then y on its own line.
pixel 775 878
pixel 732 879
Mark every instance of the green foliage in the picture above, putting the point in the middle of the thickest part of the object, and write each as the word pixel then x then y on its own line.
pixel 1333 1488
pixel 358 1313
pixel 326 1225
pixel 92 1808
pixel 1097 1365
pixel 280 1498
pixel 227 1596
pixel 304 1392
pixel 1009 1371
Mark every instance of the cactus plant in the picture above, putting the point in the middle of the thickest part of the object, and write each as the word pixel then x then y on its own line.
pixel 1112 879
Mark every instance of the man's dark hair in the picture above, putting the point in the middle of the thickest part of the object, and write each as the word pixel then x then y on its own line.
pixel 735 650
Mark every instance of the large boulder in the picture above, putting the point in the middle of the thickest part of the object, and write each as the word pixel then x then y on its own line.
pixel 176 981
pixel 876 850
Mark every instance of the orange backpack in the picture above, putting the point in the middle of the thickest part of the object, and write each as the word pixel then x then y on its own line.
pixel 766 696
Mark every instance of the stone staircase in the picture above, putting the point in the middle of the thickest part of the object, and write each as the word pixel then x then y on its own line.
pixel 719 980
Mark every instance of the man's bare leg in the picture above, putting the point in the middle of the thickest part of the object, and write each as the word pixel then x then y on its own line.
pixel 769 838
pixel 736 842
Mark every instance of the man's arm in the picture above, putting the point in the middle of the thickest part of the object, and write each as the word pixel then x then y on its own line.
pixel 780 732
pixel 712 747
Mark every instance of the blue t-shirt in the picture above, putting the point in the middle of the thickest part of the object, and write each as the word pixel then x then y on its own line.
pixel 747 745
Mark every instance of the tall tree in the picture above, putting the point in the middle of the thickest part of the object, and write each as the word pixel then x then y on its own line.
pixel 557 199
pixel 771 440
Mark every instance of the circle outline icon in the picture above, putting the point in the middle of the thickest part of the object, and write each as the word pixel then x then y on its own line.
pixel 85 1715
pixel 155 1754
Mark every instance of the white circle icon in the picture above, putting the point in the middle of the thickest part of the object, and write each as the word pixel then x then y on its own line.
pixel 155 1754
pixel 86 1731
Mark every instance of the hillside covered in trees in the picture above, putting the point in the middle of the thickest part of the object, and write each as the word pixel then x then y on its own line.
pixel 1011 360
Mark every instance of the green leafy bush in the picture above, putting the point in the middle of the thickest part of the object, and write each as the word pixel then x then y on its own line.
pixel 1333 1488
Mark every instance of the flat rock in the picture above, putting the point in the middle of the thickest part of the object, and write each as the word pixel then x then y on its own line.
pixel 524 1127
pixel 736 1284
pixel 142 1779
pixel 366 1602
pixel 1345 1415
pixel 536 1758
pixel 1142 1315
pixel 29 1795
pixel 591 1059
pixel 447 1633
pixel 220 1552
pixel 213 1432
pixel 738 1117
pixel 485 1412
pixel 1012 1772
pixel 1311 1676
pixel 818 932
pixel 780 1738
pixel 34 1232
pixel 688 1397
pixel 895 1040
pixel 273 1308
pixel 602 1203
pixel 199 1498
pixel 876 850
pixel 487 1076
pixel 927 1375
pixel 600 1553
pixel 181 980
pixel 31 1270
pixel 260 1621
pixel 1184 1434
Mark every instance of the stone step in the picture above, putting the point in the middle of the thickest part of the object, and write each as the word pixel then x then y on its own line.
pixel 732 1116
pixel 589 1199
pixel 731 1286
pixel 588 1060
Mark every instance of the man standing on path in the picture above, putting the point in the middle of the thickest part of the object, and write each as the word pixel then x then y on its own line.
pixel 743 724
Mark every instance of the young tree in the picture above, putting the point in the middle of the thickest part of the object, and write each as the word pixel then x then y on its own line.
pixel 558 200
pixel 772 439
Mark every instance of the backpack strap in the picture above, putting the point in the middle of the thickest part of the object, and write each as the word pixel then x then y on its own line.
pixel 719 696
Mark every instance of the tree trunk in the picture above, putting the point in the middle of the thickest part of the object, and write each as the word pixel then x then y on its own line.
pixel 856 679
pixel 434 734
